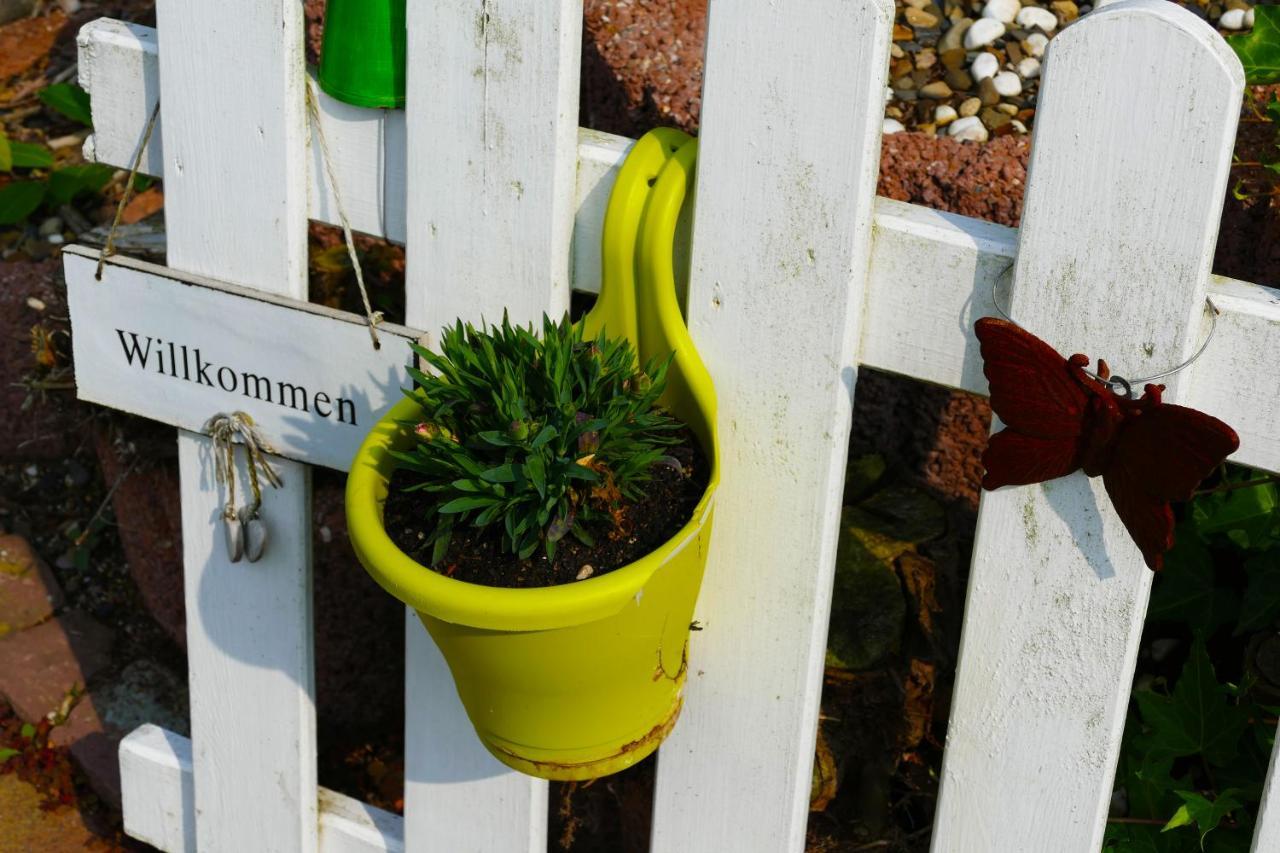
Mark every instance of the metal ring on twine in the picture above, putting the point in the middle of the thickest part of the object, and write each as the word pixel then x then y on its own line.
pixel 1119 385
pixel 245 530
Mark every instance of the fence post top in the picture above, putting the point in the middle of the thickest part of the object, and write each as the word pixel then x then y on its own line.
pixel 1164 13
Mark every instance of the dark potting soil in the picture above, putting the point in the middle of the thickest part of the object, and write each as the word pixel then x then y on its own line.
pixel 477 556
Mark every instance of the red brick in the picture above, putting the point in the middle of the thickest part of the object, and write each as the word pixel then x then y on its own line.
pixel 29 593
pixel 39 665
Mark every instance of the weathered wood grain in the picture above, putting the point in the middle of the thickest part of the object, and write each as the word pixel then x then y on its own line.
pixel 782 237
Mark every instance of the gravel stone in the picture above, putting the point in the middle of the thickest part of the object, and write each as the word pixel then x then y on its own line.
pixel 1035 44
pixel 944 114
pixel 959 79
pixel 953 38
pixel 892 125
pixel 984 65
pixel 1035 17
pixel 984 31
pixel 969 129
pixel 1066 10
pixel 1003 11
pixel 970 107
pixel 1232 19
pixel 29 593
pixel 1029 68
pixel 1007 84
pixel 936 90
pixel 920 18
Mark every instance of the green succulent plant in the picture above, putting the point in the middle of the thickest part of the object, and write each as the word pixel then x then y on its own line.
pixel 542 437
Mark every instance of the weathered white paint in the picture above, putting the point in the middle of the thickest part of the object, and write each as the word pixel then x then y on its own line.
pixel 1117 237
pixel 782 235
pixel 235 185
pixel 492 113
pixel 244 349
pixel 157 789
pixel 119 63
pixel 160 804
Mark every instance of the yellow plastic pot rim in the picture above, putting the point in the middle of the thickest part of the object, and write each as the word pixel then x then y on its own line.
pixel 476 605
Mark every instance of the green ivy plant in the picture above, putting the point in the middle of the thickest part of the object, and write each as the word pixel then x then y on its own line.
pixel 38 183
pixel 538 437
pixel 1196 747
pixel 1259 54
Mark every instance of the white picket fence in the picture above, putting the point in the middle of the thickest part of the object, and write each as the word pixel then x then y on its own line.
pixel 798 274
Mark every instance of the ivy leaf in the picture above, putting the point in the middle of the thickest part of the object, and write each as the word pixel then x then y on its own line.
pixel 1259 49
pixel 68 99
pixel 1205 813
pixel 1185 591
pixel 19 200
pixel 1246 516
pixel 1148 781
pixel 1197 718
pixel 6 154
pixel 1261 605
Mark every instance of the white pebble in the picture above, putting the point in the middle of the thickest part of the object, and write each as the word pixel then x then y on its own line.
pixel 1034 16
pixel 1007 84
pixel 944 115
pixel 969 129
pixel 892 125
pixel 1029 68
pixel 55 239
pixel 984 65
pixel 888 94
pixel 585 572
pixel 1003 11
pixel 983 32
pixel 1232 19
pixel 1248 18
pixel 1018 126
pixel 1035 44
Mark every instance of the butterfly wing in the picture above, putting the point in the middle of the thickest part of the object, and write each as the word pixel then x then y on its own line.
pixel 1161 455
pixel 1032 389
pixel 1040 402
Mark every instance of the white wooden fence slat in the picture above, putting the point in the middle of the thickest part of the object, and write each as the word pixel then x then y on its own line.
pixel 491 191
pixel 235 208
pixel 1134 133
pixel 790 146
pixel 1266 833
pixel 119 62
pixel 157 789
pixel 161 803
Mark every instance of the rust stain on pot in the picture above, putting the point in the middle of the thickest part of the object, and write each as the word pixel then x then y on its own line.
pixel 646 743
pixel 661 671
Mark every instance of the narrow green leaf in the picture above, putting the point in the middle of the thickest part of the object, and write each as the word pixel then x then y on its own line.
pixel 535 469
pixel 6 154
pixel 68 99
pixel 467 503
pixel 66 184
pixel 6 753
pixel 505 473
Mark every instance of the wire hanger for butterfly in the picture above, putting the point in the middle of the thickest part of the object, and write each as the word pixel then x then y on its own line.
pixel 1119 385
pixel 244 527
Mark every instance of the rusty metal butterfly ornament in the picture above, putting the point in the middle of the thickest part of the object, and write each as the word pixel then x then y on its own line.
pixel 1060 417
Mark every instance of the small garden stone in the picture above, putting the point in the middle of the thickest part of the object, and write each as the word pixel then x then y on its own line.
pixel 1003 11
pixel 984 65
pixel 1035 44
pixel 969 129
pixel 984 31
pixel 1029 68
pixel 892 125
pixel 1034 17
pixel 1007 84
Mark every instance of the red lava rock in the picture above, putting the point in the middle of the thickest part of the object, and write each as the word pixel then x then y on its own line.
pixel 983 181
pixel 29 593
pixel 39 665
pixel 46 429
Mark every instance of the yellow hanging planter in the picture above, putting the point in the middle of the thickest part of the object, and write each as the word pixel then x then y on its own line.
pixel 583 679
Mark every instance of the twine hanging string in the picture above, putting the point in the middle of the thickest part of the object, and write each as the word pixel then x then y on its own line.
pixel 109 248
pixel 223 429
pixel 1119 386
pixel 372 317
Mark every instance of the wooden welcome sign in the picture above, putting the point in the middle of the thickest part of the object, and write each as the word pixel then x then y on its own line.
pixel 178 348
